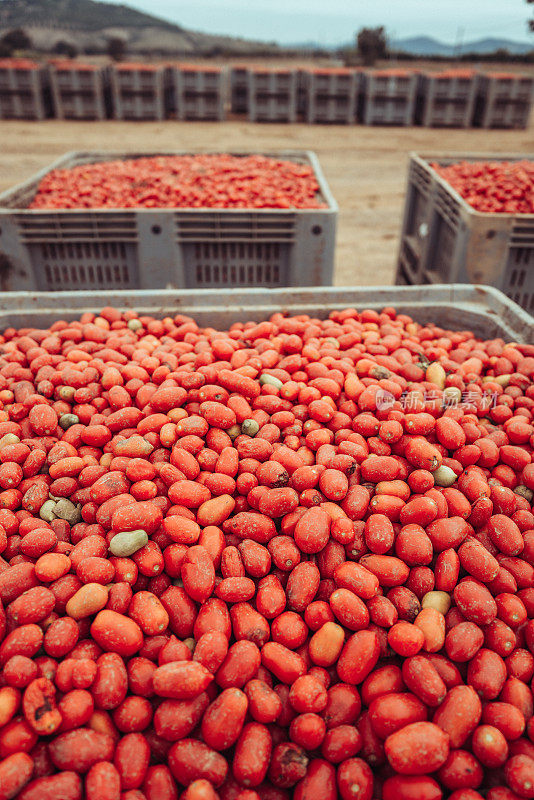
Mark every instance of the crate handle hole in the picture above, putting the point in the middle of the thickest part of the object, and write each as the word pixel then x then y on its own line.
pixel 156 229
pixel 317 230
pixel 423 229
pixel 490 234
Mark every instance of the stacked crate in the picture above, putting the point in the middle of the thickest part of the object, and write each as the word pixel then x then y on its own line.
pixel 504 100
pixel 239 89
pixel 24 90
pixel 330 95
pixel 199 92
pixel 272 94
pixel 447 99
pixel 77 90
pixel 389 97
pixel 138 91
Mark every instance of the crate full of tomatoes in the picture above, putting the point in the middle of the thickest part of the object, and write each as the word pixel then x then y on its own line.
pixel 119 221
pixel 279 558
pixel 470 218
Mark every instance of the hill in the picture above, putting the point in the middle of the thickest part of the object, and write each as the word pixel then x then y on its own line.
pixel 89 24
pixel 80 14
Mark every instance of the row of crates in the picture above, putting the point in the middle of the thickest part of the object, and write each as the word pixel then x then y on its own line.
pixel 72 90
pixel 343 96
pixel 445 240
pixel 453 98
pixel 464 99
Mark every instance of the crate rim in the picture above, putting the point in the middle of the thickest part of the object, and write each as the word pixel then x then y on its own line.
pixel 482 301
pixel 59 163
pixel 454 158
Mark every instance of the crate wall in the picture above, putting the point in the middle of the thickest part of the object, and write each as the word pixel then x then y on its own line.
pixel 444 240
pixel 200 93
pixel 18 105
pixel 58 250
pixel 272 95
pixel 138 92
pixel 446 99
pixel 389 97
pixel 330 96
pixel 504 101
pixel 505 114
pixel 78 93
pixel 24 90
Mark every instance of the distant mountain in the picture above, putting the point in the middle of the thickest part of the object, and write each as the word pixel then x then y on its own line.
pixel 422 46
pixel 428 46
pixel 90 24
pixel 491 44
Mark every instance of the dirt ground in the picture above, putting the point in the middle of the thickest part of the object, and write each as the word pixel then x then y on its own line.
pixel 364 166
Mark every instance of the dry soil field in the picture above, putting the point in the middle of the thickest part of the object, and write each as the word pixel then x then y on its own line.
pixel 365 167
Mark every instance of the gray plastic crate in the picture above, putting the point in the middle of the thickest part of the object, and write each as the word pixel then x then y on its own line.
pixel 153 248
pixel 389 97
pixel 446 99
pixel 272 95
pixel 330 96
pixel 239 90
pixel 78 93
pixel 24 93
pixel 200 93
pixel 481 309
pixel 504 101
pixel 445 240
pixel 138 92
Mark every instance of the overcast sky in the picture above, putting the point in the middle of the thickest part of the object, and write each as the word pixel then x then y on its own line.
pixel 289 21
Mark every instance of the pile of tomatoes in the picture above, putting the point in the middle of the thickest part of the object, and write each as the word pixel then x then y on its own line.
pixel 189 181
pixel 292 559
pixel 502 187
